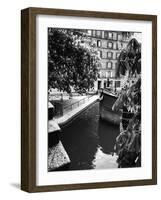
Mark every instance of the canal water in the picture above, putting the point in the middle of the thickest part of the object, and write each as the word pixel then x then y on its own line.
pixel 89 141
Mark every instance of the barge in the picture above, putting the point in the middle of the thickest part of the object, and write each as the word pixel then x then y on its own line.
pixel 107 100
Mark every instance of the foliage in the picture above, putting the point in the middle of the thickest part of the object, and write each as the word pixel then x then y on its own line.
pixel 129 60
pixel 128 142
pixel 71 62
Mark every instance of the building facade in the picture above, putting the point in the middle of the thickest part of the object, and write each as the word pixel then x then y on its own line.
pixel 109 45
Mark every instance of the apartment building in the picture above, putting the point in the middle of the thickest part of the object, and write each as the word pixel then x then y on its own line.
pixel 109 45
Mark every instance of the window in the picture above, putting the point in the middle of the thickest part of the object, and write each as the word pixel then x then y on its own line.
pixel 100 54
pixel 109 54
pixel 116 65
pixel 114 45
pixel 117 84
pixel 120 45
pixel 110 45
pixel 114 56
pixel 99 66
pixel 98 43
pixel 89 32
pixel 103 65
pixel 124 45
pixel 114 36
pixel 93 33
pixel 119 37
pixel 104 43
pixel 105 84
pixel 109 65
pixel 103 73
pixel 109 74
pixel 117 55
pixel 99 74
pixel 110 35
pixel 105 34
pixel 104 54
pixel 98 33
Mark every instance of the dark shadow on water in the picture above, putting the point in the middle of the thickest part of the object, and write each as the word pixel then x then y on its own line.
pixel 107 133
pixel 15 185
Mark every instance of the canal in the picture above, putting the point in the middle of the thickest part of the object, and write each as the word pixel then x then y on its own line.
pixel 90 141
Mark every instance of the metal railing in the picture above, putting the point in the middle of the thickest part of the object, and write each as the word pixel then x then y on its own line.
pixel 74 105
pixel 60 95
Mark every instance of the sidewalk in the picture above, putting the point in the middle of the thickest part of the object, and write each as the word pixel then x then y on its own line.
pixel 70 115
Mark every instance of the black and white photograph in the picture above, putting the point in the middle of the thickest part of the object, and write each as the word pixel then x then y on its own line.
pixel 94 99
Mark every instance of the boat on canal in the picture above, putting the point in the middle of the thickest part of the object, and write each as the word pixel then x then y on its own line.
pixel 107 100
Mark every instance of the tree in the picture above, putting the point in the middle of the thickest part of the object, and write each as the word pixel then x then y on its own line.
pixel 71 62
pixel 128 142
pixel 129 61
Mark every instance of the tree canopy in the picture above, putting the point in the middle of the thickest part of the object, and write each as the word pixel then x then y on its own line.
pixel 71 62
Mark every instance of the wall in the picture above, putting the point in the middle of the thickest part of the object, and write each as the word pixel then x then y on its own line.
pixel 10 98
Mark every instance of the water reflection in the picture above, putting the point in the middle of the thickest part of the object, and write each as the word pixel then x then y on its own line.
pixel 104 161
pixel 90 141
